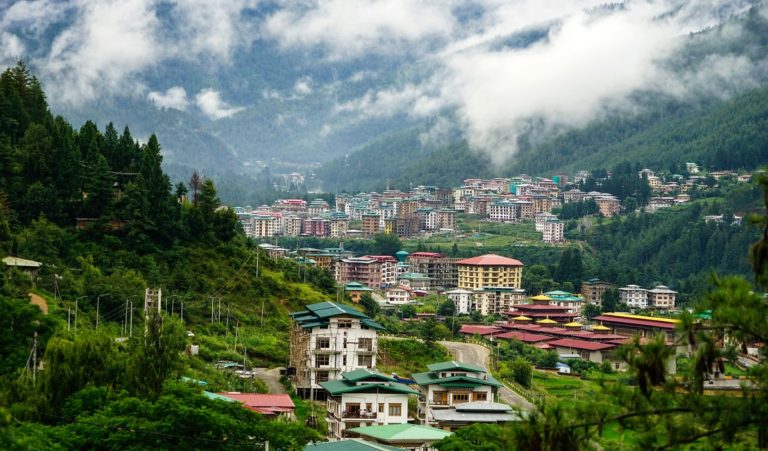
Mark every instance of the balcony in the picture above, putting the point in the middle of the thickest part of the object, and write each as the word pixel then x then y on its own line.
pixel 358 414
pixel 439 402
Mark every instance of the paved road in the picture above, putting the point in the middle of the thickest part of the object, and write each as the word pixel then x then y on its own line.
pixel 478 355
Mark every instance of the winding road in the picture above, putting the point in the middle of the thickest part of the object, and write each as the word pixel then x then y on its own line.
pixel 478 355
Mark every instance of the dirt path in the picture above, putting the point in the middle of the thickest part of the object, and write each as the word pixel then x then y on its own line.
pixel 478 355
pixel 39 301
pixel 271 377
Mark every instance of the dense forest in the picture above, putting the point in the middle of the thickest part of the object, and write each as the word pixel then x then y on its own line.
pixel 103 219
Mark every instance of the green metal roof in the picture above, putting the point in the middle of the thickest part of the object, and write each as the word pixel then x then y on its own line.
pixel 339 387
pixel 318 315
pixel 402 433
pixel 454 365
pixel 354 444
pixel 217 396
pixel 364 373
pixel 431 378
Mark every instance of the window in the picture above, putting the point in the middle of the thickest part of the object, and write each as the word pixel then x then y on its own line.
pixel 460 397
pixel 365 361
pixel 480 396
pixel 365 344
pixel 345 324
pixel 323 343
pixel 322 376
pixel 344 360
pixel 395 410
pixel 369 407
pixel 381 407
pixel 322 360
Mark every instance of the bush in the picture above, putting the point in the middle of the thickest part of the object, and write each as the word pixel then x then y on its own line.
pixel 521 370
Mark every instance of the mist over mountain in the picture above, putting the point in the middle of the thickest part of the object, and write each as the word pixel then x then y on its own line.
pixel 232 86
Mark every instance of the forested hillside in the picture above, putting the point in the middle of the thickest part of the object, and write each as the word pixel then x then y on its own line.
pixel 100 215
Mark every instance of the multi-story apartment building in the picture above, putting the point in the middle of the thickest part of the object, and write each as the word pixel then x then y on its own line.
pixel 662 297
pixel 446 219
pixel 442 271
pixel 574 195
pixel 291 225
pixel 634 296
pixel 541 218
pixel 263 226
pixel 462 300
pixel 371 224
pixel 318 227
pixel 608 205
pixel 553 232
pixel 326 340
pixel 375 271
pixel 317 207
pixel 504 211
pixel 593 289
pixel 497 300
pixel 489 270
pixel 364 397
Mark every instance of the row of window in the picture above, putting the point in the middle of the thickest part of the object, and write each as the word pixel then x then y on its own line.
pixel 362 360
pixel 363 344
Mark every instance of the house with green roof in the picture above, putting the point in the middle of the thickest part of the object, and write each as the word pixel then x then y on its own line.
pixel 449 384
pixel 365 397
pixel 328 339
pixel 353 444
pixel 408 436
pixel 560 298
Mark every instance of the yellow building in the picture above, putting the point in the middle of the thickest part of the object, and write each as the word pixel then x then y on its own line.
pixel 489 271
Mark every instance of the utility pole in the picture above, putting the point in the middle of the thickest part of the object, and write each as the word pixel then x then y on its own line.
pixel 211 310
pixel 69 315
pixel 182 311
pixel 262 312
pixel 34 359
pixel 131 330
pixel 219 314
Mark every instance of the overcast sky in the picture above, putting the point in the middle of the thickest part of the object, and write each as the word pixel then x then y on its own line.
pixel 590 60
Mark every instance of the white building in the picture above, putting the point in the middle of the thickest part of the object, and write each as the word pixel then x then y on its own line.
pixel 449 384
pixel 263 226
pixel 552 232
pixel 504 211
pixel 328 339
pixel 662 297
pixel 634 296
pixel 398 295
pixel 365 398
pixel 542 218
pixel 462 300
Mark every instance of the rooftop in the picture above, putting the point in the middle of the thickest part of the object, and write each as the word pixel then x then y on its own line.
pixel 580 344
pixel 490 260
pixel 268 404
pixel 454 365
pixel 354 444
pixel 638 320
pixel 318 315
pixel 402 433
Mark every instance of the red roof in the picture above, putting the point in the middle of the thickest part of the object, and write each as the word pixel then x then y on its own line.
pixel 581 344
pixel 480 330
pixel 525 337
pixel 542 307
pixel 635 322
pixel 490 260
pixel 267 404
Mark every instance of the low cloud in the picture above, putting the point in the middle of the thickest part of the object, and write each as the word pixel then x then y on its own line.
pixel 175 97
pixel 210 103
pixel 303 86
pixel 350 28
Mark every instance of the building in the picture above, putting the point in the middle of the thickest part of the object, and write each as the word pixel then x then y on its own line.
pixel 629 325
pixel 608 205
pixel 592 291
pixel 28 267
pixel 542 218
pixel 462 300
pixel 398 295
pixel 662 297
pixel 442 271
pixel 414 281
pixel 328 339
pixel 565 299
pixel 373 271
pixel 504 211
pixel 356 291
pixel 263 226
pixel 553 232
pixel 365 397
pixel 586 350
pixel 634 296
pixel 497 300
pixel 449 384
pixel 269 405
pixel 371 223
pixel 489 270
pixel 412 437
pixel 474 412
